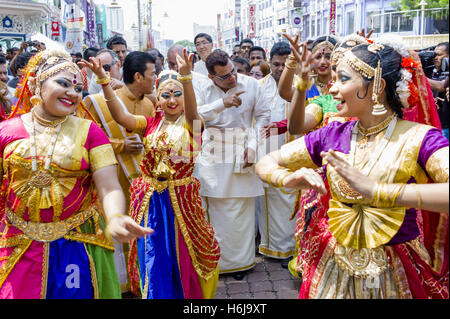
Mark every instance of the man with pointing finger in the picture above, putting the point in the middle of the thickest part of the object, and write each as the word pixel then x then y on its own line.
pixel 234 109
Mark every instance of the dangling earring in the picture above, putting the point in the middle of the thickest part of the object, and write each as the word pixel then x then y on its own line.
pixel 378 108
pixel 36 99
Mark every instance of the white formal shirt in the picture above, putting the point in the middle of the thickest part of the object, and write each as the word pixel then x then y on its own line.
pixel 228 131
pixel 200 67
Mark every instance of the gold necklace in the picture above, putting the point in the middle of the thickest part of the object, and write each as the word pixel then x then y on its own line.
pixel 366 133
pixel 48 123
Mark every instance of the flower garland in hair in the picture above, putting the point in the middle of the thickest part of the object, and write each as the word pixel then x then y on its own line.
pixel 407 86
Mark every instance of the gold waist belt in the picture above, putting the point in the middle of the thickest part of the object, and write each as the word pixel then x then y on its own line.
pixel 47 232
pixel 361 263
pixel 159 186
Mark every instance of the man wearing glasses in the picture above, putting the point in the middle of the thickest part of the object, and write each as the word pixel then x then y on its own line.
pixel 204 45
pixel 229 104
pixel 111 63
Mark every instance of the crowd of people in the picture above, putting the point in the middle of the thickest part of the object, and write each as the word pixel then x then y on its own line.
pixel 155 174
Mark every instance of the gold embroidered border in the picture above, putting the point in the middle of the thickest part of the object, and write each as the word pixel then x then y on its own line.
pixel 141 125
pixel 326 255
pixel 45 259
pixel 101 156
pixel 437 165
pixel 275 254
pixel 295 155
pixel 94 280
pixel 14 257
pixel 315 111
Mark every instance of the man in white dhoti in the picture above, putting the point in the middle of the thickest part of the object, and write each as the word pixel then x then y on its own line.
pixel 229 104
pixel 275 227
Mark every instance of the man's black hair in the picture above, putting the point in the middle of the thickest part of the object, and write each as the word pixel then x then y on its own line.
pixel 22 60
pixel 136 61
pixel 117 39
pixel 90 52
pixel 280 48
pixel 203 35
pixel 443 44
pixel 257 48
pixel 247 41
pixel 243 62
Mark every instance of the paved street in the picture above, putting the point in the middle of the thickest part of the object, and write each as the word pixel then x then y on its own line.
pixel 267 280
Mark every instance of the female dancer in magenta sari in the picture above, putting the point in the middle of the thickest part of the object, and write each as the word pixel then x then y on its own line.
pixel 180 260
pixel 365 239
pixel 52 238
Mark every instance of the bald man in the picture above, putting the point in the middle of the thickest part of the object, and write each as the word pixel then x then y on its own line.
pixel 172 56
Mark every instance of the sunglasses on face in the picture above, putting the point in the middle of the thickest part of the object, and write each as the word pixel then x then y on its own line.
pixel 107 67
pixel 227 76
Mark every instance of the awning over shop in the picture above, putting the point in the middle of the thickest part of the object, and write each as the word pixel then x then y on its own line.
pixel 49 43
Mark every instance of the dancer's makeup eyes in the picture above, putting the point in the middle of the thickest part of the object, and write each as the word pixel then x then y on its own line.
pixel 178 93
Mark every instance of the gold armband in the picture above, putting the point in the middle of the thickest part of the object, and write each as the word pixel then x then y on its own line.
pixel 382 197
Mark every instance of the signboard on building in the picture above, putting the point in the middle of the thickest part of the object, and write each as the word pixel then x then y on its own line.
pixel 332 16
pixel 297 3
pixel 296 19
pixel 55 29
pixel 252 20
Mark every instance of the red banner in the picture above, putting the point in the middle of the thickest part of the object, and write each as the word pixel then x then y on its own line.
pixel 55 29
pixel 252 21
pixel 332 16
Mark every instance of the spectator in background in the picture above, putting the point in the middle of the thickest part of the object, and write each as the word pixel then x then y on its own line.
pixel 245 46
pixel 440 73
pixel 86 72
pixel 259 69
pixel 111 63
pixel 242 66
pixel 159 60
pixel 172 56
pixel 3 70
pixel 204 45
pixel 236 51
pixel 119 46
pixel 257 53
pixel 20 62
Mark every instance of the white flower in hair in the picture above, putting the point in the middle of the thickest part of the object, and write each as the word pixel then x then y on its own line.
pixel 403 87
pixel 394 41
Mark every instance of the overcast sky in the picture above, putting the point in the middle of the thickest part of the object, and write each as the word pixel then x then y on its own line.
pixel 181 15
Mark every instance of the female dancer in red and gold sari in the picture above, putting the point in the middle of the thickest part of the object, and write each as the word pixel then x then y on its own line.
pixel 365 241
pixel 180 260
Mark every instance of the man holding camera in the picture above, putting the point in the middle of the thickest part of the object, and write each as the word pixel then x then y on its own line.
pixel 439 84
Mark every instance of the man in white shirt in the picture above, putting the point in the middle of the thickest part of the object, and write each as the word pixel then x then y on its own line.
pixel 204 45
pixel 275 206
pixel 234 109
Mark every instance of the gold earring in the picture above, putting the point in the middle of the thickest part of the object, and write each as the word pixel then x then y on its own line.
pixel 378 108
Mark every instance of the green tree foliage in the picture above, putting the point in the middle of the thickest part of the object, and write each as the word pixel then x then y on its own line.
pixel 414 4
pixel 187 44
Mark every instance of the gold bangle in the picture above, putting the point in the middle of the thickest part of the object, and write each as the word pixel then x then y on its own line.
pixel 302 85
pixel 291 65
pixel 282 177
pixel 419 198
pixel 114 216
pixel 106 100
pixel 104 81
pixel 185 77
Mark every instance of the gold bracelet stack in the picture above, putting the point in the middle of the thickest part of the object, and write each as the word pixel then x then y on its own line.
pixel 185 77
pixel 382 197
pixel 291 62
pixel 104 81
pixel 284 172
pixel 302 85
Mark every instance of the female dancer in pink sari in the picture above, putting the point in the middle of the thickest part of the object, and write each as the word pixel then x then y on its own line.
pixel 53 241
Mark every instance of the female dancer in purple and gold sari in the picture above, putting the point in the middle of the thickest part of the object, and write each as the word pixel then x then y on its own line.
pixel 52 237
pixel 381 171
pixel 180 260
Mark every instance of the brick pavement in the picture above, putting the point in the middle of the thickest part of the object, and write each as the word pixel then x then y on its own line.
pixel 267 280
